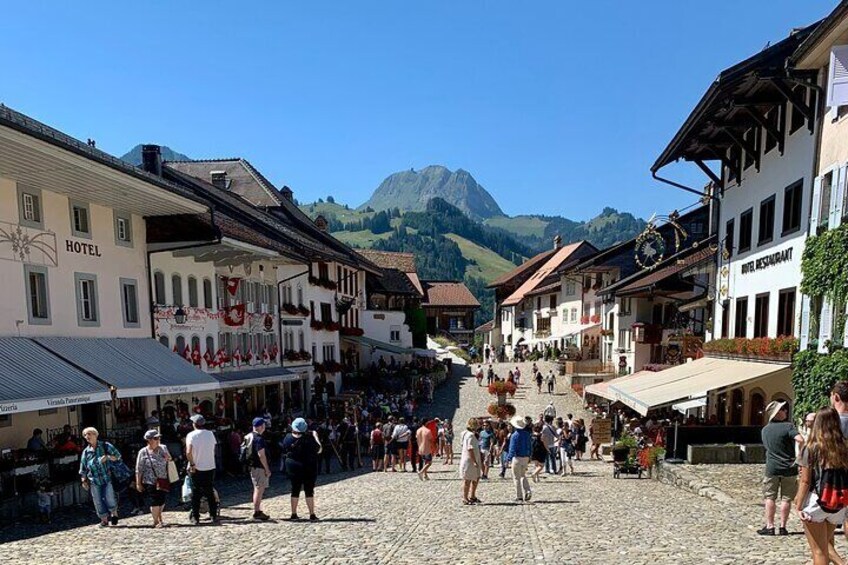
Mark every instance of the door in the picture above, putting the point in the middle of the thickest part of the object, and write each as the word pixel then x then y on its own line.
pixel 91 416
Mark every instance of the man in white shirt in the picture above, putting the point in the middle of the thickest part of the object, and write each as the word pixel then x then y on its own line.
pixel 401 436
pixel 550 410
pixel 200 452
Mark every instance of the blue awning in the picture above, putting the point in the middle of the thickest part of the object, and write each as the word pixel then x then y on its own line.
pixel 32 378
pixel 240 378
pixel 134 366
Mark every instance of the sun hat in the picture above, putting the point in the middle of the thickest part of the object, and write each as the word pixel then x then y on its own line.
pixel 151 434
pixel 773 408
pixel 198 419
pixel 299 425
pixel 518 422
pixel 258 422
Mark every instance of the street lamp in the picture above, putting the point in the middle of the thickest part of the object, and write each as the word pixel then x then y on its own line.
pixel 180 316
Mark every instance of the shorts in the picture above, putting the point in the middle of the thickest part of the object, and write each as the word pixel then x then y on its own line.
pixel 391 447
pixel 427 458
pixel 154 495
pixel 811 507
pixel 258 477
pixel 401 445
pixel 787 486
pixel 484 454
pixel 378 451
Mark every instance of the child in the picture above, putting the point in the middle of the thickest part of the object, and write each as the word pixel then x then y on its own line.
pixel 45 501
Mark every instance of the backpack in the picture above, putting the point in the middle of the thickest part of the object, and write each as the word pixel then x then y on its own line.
pixel 246 450
pixel 831 486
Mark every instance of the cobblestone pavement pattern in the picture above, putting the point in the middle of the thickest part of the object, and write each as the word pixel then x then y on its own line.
pixel 395 518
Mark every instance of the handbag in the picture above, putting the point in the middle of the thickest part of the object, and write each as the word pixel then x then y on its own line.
pixel 186 491
pixel 173 474
pixel 118 470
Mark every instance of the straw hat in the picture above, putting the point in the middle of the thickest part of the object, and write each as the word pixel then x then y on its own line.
pixel 773 408
pixel 518 422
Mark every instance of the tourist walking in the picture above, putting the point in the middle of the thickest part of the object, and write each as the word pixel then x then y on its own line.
pixel 539 380
pixel 539 453
pixel 301 450
pixel 470 464
pixel 551 381
pixel 479 375
pixel 820 500
pixel 448 435
pixel 550 410
pixel 487 441
pixel 260 470
pixel 400 437
pixel 151 474
pixel 566 448
pixel 413 444
pixel 517 374
pixel 504 434
pixel 594 451
pixel 200 452
pixel 519 455
pixel 95 476
pixel 376 446
pixel 389 458
pixel 780 481
pixel 839 401
pixel 580 439
pixel 425 439
pixel 490 376
pixel 549 439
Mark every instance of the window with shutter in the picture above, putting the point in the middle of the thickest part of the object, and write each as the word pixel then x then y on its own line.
pixel 836 199
pixel 837 80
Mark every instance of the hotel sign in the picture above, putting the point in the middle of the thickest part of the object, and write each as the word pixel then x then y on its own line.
pixel 767 261
pixel 81 248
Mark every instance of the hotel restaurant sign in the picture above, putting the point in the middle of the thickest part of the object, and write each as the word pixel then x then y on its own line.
pixel 767 261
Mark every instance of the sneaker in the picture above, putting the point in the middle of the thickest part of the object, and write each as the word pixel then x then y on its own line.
pixel 783 531
pixel 314 518
pixel 766 531
pixel 260 516
pixel 114 520
pixel 294 518
pixel 195 520
pixel 527 495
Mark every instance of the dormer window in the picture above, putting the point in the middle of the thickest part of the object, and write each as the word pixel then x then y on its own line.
pixel 219 179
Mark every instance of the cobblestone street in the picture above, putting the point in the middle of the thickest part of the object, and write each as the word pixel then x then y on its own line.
pixel 395 518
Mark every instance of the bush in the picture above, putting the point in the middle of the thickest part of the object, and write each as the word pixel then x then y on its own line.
pixel 813 377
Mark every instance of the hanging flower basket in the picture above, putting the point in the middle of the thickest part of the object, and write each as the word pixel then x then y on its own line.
pixel 503 412
pixel 500 388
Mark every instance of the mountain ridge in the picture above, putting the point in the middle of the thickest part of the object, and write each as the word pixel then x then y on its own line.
pixel 133 156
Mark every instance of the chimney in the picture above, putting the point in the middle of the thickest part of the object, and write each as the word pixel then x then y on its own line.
pixel 287 193
pixel 557 242
pixel 151 159
pixel 321 223
pixel 219 179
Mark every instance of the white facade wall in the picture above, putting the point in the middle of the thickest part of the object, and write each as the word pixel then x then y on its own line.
pixel 66 256
pixel 750 273
pixel 383 325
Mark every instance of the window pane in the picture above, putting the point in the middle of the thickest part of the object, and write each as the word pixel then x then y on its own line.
pixel 207 294
pixel 80 219
pixel 130 304
pixel 38 295
pixel 177 289
pixel 192 292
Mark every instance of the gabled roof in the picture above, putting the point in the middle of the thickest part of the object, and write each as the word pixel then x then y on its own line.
pixel 242 178
pixel 559 258
pixel 392 282
pixel 403 262
pixel 674 265
pixel 448 293
pixel 703 136
pixel 485 328
pixel 525 268
pixel 826 32
pixel 546 287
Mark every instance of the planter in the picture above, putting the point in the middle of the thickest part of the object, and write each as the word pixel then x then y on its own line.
pixel 501 399
pixel 713 454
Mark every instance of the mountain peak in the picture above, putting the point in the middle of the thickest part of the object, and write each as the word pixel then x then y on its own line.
pixel 411 190
pixel 133 156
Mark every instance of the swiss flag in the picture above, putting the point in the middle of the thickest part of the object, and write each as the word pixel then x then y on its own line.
pixel 187 353
pixel 237 357
pixel 266 358
pixel 248 357
pixel 274 352
pixel 234 315
pixel 221 358
pixel 195 355
pixel 210 358
pixel 232 285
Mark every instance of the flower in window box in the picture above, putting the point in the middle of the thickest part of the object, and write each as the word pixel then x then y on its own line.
pixel 303 310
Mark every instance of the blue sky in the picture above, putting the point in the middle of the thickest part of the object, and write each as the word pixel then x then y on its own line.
pixel 556 107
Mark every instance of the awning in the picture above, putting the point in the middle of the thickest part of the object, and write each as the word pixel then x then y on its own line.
pixel 424 352
pixel 255 377
pixel 578 330
pixel 135 367
pixel 374 344
pixel 661 388
pixel 691 404
pixel 32 378
pixel 602 389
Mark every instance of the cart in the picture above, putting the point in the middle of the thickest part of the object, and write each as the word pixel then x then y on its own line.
pixel 624 463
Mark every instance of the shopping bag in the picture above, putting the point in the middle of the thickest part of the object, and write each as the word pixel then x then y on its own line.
pixel 173 474
pixel 121 474
pixel 186 492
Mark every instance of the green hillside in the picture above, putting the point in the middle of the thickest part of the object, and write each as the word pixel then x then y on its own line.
pixel 484 263
pixel 532 226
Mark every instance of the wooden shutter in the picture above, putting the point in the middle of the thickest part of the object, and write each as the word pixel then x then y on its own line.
pixel 814 213
pixel 805 322
pixel 837 80
pixel 838 198
pixel 825 323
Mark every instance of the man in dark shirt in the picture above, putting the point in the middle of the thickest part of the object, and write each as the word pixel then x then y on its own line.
pixel 260 471
pixel 781 474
